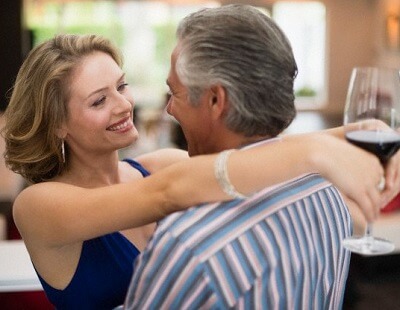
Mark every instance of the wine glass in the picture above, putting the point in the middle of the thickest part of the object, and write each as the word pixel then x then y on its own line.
pixel 371 121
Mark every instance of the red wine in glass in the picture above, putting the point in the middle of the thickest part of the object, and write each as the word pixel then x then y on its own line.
pixel 372 122
pixel 383 144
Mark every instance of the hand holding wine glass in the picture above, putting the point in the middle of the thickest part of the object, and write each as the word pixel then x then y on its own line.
pixel 372 122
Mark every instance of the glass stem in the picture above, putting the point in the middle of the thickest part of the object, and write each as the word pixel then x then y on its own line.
pixel 368 234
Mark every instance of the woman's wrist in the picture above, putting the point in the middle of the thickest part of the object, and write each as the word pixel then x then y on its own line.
pixel 316 159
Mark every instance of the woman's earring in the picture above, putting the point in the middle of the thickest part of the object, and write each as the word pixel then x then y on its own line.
pixel 63 151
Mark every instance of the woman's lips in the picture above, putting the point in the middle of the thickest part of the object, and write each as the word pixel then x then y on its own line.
pixel 121 126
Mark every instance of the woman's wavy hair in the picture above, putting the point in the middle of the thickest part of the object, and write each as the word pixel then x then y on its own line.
pixel 38 104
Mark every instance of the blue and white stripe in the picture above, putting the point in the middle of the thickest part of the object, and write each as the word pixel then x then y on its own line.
pixel 278 249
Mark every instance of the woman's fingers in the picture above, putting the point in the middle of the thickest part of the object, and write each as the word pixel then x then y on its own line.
pixel 392 173
pixel 359 220
pixel 365 182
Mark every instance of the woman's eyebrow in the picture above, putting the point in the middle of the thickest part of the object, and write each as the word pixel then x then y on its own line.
pixel 104 88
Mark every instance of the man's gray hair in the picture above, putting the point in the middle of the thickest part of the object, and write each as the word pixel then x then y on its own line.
pixel 243 50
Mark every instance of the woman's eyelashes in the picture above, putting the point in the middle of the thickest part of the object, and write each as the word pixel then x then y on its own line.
pixel 121 88
pixel 100 101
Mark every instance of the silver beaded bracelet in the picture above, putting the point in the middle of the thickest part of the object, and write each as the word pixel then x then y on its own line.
pixel 221 174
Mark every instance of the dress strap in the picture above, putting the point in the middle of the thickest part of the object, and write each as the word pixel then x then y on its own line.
pixel 137 166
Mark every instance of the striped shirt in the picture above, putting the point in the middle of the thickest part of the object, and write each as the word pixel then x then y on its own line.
pixel 278 249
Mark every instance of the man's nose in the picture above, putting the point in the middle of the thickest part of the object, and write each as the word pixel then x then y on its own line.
pixel 168 108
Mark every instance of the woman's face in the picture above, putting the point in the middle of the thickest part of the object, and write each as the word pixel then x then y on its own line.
pixel 100 107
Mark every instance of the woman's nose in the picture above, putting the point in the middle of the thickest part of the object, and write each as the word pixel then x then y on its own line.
pixel 124 103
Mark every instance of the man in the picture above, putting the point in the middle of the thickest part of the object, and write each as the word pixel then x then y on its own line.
pixel 231 81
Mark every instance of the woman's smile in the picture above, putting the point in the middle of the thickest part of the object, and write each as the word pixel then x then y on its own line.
pixel 122 126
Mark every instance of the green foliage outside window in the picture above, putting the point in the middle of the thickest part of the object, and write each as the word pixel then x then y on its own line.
pixel 45 19
pixel 306 92
pixel 165 42
pixel 41 34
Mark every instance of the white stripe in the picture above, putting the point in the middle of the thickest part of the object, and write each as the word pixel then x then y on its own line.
pixel 287 279
pixel 241 276
pixel 273 290
pixel 255 264
pixel 161 275
pixel 180 283
pixel 223 283
pixel 198 291
pixel 299 221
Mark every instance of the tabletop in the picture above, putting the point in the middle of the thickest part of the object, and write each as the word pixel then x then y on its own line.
pixel 388 227
pixel 16 269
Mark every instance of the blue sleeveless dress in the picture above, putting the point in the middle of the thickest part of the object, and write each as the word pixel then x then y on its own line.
pixel 103 273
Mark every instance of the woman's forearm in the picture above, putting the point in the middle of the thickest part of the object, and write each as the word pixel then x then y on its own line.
pixel 352 170
pixel 87 213
pixel 337 132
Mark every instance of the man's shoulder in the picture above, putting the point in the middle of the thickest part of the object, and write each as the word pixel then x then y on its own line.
pixel 196 227
pixel 191 221
pixel 187 224
pixel 296 188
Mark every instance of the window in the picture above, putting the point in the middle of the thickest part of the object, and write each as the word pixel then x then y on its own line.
pixel 305 24
pixel 145 32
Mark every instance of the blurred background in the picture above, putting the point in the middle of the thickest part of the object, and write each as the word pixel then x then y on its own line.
pixel 329 38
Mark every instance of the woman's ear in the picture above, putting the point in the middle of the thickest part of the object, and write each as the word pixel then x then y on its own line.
pixel 61 133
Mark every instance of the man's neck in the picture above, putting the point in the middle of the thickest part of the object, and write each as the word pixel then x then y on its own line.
pixel 253 140
pixel 238 142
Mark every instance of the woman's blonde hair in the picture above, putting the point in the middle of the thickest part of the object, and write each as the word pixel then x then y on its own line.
pixel 38 104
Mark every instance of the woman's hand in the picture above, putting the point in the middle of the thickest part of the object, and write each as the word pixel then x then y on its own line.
pixel 354 171
pixel 359 221
pixel 392 177
pixel 392 168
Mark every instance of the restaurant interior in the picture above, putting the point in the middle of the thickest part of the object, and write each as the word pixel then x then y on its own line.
pixel 329 37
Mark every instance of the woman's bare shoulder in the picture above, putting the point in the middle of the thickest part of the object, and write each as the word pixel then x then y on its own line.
pixel 162 158
pixel 39 197
pixel 42 190
pixel 41 212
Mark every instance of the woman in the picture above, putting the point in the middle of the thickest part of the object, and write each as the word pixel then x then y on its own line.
pixel 69 114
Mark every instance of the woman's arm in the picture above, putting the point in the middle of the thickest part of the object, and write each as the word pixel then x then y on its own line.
pixel 64 214
pixel 337 132
pixel 162 158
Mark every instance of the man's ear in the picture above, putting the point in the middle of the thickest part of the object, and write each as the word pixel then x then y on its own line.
pixel 218 101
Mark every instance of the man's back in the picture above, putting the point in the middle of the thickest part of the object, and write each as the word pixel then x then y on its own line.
pixel 280 248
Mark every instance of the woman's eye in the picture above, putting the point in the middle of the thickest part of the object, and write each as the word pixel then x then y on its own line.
pixel 122 86
pixel 99 102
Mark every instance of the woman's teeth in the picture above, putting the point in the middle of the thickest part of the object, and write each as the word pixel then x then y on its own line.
pixel 119 127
